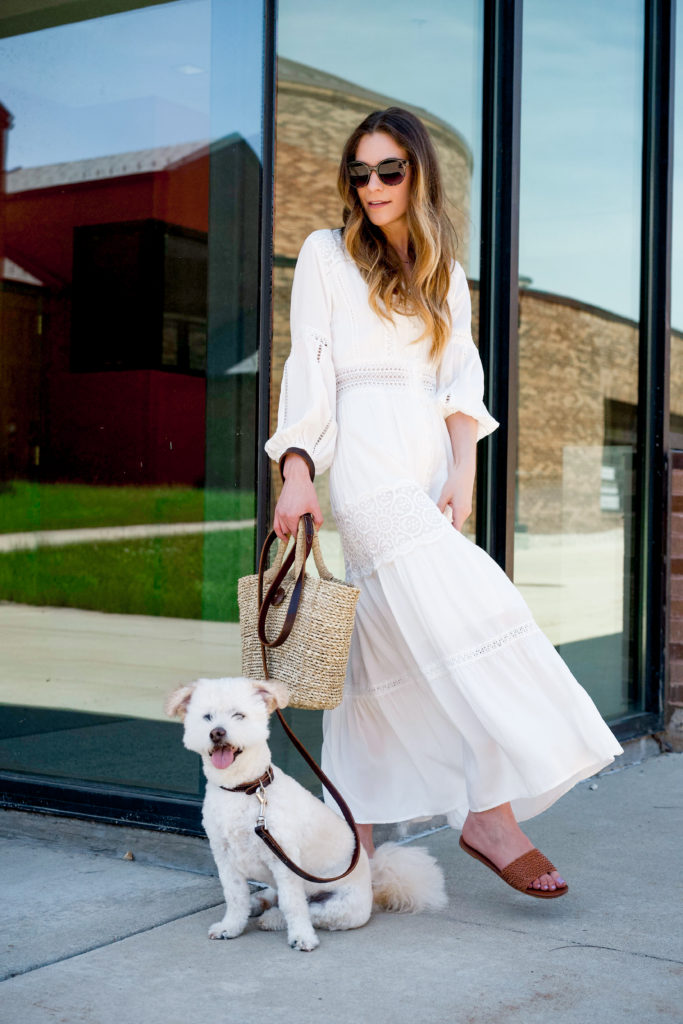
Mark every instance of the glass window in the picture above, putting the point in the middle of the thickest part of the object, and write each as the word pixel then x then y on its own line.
pixel 331 76
pixel 321 100
pixel 676 374
pixel 578 334
pixel 129 306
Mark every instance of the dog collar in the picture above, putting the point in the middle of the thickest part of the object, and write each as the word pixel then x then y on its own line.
pixel 251 787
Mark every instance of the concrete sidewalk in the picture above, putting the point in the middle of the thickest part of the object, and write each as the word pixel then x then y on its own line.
pixel 93 938
pixel 31 540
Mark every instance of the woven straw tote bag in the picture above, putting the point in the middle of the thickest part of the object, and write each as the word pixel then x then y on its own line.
pixel 299 624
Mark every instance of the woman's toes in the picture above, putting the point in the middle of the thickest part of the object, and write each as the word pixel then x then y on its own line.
pixel 548 883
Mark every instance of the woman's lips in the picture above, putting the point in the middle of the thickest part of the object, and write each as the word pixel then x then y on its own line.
pixel 379 202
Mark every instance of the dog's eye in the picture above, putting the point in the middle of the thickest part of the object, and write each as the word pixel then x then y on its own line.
pixel 238 715
pixel 207 718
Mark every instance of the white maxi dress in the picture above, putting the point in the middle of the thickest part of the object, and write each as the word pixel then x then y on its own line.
pixel 454 698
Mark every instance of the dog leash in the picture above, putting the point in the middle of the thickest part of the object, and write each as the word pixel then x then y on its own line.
pixel 261 828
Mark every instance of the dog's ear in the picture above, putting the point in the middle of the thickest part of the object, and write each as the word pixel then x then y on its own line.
pixel 177 702
pixel 275 695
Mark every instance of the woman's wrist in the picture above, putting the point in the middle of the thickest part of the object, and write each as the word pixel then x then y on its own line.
pixel 464 461
pixel 296 461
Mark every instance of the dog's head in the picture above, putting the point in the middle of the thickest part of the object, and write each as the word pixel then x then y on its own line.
pixel 224 718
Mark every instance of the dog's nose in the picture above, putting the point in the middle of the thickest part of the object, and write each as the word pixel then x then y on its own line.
pixel 217 735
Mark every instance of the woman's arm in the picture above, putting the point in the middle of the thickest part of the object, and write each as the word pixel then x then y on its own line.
pixel 304 441
pixel 458 489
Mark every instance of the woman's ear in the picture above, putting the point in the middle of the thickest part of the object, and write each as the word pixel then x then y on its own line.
pixel 177 702
pixel 274 694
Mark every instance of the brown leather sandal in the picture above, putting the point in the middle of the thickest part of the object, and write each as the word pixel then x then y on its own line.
pixel 521 872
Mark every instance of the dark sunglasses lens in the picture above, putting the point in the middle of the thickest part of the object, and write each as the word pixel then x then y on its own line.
pixel 391 172
pixel 359 175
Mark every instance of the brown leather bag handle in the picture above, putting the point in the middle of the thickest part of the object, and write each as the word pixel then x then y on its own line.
pixel 261 831
pixel 270 599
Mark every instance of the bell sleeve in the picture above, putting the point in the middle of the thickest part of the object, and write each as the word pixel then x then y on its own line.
pixel 306 412
pixel 460 380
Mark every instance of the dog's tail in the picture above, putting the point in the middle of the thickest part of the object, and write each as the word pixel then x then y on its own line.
pixel 406 879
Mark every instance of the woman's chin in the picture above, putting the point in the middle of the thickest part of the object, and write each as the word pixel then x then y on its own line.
pixel 379 218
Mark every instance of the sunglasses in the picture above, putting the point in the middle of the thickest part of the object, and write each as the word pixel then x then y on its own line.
pixel 391 171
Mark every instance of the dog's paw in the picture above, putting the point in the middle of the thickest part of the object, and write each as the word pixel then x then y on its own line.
pixel 220 931
pixel 272 920
pixel 305 943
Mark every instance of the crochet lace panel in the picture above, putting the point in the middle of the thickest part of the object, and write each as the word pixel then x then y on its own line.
pixel 442 667
pixel 331 248
pixel 385 524
pixel 384 376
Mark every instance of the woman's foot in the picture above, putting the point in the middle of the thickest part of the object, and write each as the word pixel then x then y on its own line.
pixel 365 836
pixel 497 835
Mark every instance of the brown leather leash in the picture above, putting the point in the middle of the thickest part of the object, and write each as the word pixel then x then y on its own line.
pixel 271 598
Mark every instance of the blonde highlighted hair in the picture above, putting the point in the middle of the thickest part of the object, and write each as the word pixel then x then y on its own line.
pixel 432 237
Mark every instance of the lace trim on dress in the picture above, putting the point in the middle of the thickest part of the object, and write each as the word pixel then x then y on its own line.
pixel 382 376
pixel 332 253
pixel 455 402
pixel 312 340
pixel 438 668
pixel 472 653
pixel 331 248
pixel 285 394
pixel 385 524
pixel 321 435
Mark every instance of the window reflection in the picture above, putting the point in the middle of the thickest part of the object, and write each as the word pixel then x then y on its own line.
pixel 319 103
pixel 578 335
pixel 128 323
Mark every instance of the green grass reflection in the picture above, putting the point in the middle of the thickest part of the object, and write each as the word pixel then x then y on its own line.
pixel 38 506
pixel 188 577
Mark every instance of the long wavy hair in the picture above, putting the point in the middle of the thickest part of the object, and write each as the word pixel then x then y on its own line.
pixel 432 237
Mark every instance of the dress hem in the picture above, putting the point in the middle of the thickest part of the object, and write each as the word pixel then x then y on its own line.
pixel 551 793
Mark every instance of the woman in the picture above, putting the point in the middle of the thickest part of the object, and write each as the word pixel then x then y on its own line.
pixel 455 702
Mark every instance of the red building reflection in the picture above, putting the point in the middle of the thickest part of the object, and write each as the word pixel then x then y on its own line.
pixel 104 318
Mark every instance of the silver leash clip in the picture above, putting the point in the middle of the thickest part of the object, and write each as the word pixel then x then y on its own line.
pixel 262 799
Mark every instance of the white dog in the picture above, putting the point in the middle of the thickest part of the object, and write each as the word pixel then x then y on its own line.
pixel 226 722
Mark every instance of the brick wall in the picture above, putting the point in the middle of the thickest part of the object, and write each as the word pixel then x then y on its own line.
pixel 674 688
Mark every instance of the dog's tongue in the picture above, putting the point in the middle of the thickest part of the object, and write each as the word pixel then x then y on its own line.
pixel 222 758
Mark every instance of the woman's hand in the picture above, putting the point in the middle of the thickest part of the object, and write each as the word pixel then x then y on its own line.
pixel 298 497
pixel 457 492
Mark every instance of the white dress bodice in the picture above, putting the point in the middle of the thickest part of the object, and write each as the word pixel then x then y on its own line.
pixel 361 395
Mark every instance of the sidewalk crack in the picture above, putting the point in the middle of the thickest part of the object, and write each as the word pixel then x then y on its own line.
pixel 615 949
pixel 111 942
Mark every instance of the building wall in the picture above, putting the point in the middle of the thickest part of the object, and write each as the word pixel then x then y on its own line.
pixel 674 688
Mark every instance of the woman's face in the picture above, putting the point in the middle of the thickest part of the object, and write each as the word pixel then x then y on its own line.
pixel 384 205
